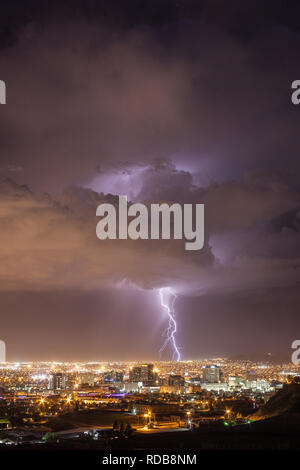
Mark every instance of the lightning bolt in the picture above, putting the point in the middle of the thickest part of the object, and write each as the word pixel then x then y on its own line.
pixel 172 328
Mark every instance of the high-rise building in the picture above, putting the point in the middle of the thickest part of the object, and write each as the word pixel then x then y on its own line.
pixel 143 373
pixel 212 374
pixel 57 381
pixel 176 380
pixel 251 379
pixel 86 378
pixel 113 376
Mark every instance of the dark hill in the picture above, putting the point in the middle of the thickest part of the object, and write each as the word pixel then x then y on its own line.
pixel 286 400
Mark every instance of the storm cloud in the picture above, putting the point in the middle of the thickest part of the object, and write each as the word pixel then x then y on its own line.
pixel 83 98
pixel 182 112
pixel 51 243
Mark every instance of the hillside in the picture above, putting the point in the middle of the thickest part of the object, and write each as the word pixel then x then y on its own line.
pixel 286 400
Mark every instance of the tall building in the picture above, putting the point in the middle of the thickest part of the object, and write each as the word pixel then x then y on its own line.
pixel 57 381
pixel 212 374
pixel 86 378
pixel 251 379
pixel 176 380
pixel 113 376
pixel 143 373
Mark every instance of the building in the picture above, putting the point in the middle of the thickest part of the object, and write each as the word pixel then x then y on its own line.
pixel 195 380
pixel 143 374
pixel 251 375
pixel 212 374
pixel 86 378
pixel 235 381
pixel 57 382
pixel 179 390
pixel 251 380
pixel 129 387
pixel 215 387
pixel 263 385
pixel 113 376
pixel 194 388
pixel 176 380
pixel 259 385
pixel 156 408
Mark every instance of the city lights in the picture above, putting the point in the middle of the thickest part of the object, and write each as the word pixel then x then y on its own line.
pixel 165 395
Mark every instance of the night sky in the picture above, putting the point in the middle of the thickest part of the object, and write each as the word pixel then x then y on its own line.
pixel 177 101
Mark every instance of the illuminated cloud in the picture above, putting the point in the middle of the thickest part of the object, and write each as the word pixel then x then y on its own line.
pixel 47 243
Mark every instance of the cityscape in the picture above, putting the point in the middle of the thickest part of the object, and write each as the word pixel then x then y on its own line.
pixel 104 404
pixel 149 231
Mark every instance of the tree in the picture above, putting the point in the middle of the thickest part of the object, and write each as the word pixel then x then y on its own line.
pixel 122 428
pixel 50 436
pixel 115 425
pixel 128 429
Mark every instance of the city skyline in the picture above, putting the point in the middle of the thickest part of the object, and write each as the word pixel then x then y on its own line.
pixel 149 232
pixel 103 406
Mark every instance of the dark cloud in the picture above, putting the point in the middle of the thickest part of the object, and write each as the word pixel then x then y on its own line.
pixel 50 243
pixel 82 97
pixel 186 112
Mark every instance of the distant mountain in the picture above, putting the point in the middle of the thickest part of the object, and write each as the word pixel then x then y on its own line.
pixel 266 358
